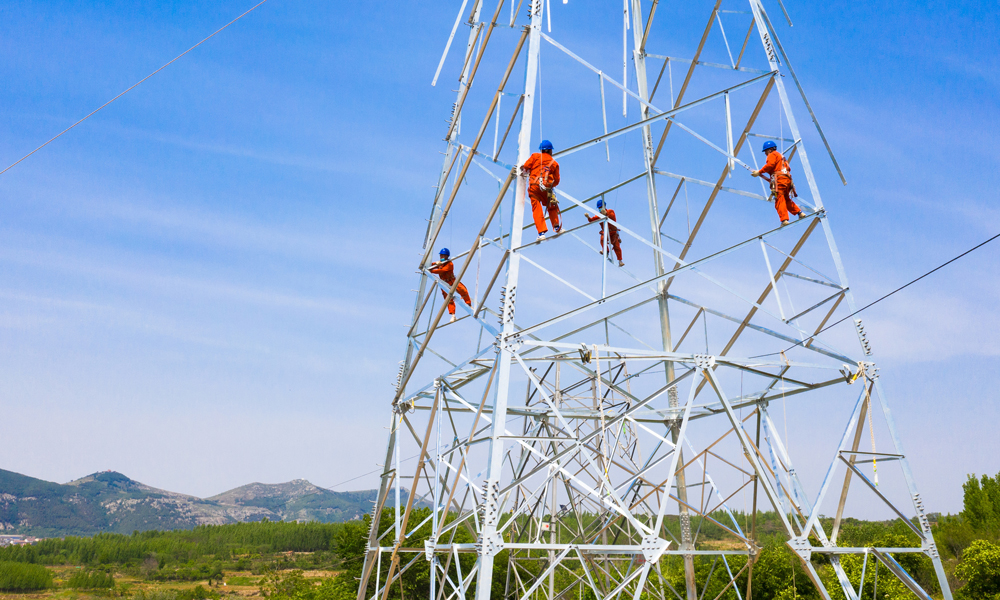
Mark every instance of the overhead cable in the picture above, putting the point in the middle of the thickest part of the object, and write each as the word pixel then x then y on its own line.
pixel 899 289
pixel 132 87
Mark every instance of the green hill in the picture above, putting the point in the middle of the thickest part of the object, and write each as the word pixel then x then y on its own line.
pixel 111 502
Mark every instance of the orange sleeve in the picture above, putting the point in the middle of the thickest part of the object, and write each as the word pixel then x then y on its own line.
pixel 531 162
pixel 772 162
pixel 612 216
pixel 555 172
pixel 593 218
pixel 447 267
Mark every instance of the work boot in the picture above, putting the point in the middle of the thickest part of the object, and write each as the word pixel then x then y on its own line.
pixel 453 319
pixel 785 222
pixel 541 237
pixel 802 214
pixel 558 230
pixel 621 263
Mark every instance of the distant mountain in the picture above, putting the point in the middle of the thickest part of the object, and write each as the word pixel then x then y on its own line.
pixel 112 502
pixel 299 500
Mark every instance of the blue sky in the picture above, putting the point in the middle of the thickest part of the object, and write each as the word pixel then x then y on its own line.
pixel 208 283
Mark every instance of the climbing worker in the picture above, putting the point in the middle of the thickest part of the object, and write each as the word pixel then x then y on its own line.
pixel 616 241
pixel 543 175
pixel 782 187
pixel 445 269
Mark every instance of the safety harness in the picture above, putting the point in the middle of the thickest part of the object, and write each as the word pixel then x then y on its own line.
pixel 784 170
pixel 545 179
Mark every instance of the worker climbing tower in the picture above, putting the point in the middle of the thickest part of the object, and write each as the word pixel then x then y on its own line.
pixel 588 430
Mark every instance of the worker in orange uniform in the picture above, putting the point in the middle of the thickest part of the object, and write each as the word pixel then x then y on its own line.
pixel 445 269
pixel 781 182
pixel 616 240
pixel 543 175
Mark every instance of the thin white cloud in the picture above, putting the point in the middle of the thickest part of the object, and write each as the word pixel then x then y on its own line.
pixel 925 326
pixel 207 289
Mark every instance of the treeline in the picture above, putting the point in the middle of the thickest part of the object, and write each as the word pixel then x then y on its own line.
pixel 20 577
pixel 204 553
pixel 222 542
pixel 277 552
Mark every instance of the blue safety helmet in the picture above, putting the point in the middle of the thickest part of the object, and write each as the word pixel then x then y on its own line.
pixel 600 204
pixel 445 252
pixel 769 145
pixel 545 145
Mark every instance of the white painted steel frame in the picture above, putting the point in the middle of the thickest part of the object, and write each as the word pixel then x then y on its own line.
pixel 508 467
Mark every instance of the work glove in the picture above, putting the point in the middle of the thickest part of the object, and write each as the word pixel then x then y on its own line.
pixel 755 173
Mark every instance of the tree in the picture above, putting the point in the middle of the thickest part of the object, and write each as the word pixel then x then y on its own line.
pixel 980 568
pixel 982 503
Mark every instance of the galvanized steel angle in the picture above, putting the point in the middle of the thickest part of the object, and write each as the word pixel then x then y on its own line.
pixel 802 92
pixel 621 293
pixel 829 282
pixel 701 63
pixel 599 72
pixel 881 496
pixel 607 500
pixel 700 182
pixel 649 431
pixel 598 321
pixel 836 294
pixel 414 343
pixel 497 240
pixel 682 432
pixel 667 115
pixel 468 309
pixel 771 332
pixel 452 468
pixel 543 577
pixel 451 372
pixel 748 448
pixel 827 480
pixel 524 504
pixel 627 580
pixel 557 278
pixel 718 494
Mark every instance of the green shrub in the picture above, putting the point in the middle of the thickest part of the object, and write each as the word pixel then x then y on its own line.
pixel 980 568
pixel 23 577
pixel 91 580
pixel 198 593
pixel 155 594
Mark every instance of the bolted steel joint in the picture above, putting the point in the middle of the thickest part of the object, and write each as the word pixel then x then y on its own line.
pixel 704 361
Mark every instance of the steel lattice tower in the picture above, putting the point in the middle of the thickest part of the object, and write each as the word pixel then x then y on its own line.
pixel 567 441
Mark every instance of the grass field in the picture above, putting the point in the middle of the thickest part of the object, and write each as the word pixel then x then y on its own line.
pixel 235 584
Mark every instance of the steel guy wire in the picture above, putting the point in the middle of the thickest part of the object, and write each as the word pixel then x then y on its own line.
pixel 873 303
pixel 95 111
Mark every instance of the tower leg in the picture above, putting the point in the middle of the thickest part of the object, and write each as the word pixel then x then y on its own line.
pixel 638 31
pixel 488 538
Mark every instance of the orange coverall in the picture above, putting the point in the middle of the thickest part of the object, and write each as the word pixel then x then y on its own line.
pixel 537 165
pixel 616 241
pixel 781 184
pixel 446 271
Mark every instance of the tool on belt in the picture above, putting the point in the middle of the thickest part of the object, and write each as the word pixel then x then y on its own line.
pixel 773 183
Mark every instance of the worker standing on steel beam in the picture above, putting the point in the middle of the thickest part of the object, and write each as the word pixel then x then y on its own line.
pixel 616 240
pixel 445 269
pixel 543 175
pixel 782 187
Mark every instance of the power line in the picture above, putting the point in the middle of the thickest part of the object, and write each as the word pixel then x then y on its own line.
pixel 899 289
pixel 369 473
pixel 132 87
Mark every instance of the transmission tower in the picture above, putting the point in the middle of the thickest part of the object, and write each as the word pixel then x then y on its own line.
pixel 584 429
